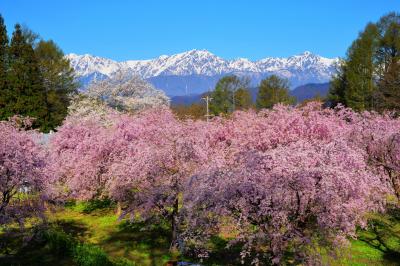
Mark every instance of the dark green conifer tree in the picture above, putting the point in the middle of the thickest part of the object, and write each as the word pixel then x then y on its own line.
pixel 355 79
pixel 58 81
pixel 3 64
pixel 26 94
pixel 36 79
pixel 338 84
pixel 388 63
pixel 369 76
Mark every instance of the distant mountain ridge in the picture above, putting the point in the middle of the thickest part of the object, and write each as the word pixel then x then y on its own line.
pixel 309 91
pixel 197 71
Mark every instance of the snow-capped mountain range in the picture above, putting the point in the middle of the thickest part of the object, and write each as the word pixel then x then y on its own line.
pixel 197 71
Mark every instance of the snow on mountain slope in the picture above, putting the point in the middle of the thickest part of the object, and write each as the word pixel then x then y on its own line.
pixel 88 64
pixel 299 69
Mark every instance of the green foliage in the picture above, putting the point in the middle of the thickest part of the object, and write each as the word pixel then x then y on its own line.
pixel 369 77
pixel 140 243
pixel 383 232
pixel 35 78
pixel 242 99
pixel 24 94
pixel 90 255
pixel 83 254
pixel 58 81
pixel 273 90
pixel 231 93
pixel 353 85
pixel 338 84
pixel 3 55
pixel 97 204
pixel 123 262
pixel 90 205
pixel 388 60
pixel 59 242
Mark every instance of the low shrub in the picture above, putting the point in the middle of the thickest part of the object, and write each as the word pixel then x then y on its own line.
pixel 97 204
pixel 90 255
pixel 59 242
pixel 83 254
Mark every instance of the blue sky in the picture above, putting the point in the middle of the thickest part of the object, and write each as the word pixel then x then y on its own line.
pixel 145 29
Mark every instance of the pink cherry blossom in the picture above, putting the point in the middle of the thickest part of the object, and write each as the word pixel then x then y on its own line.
pixel 282 178
pixel 22 180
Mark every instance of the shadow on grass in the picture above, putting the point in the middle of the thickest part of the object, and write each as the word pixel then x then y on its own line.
pixel 73 228
pixel 383 233
pixel 140 242
pixel 223 255
pixel 149 245
pixel 34 252
pixel 90 206
pixel 42 247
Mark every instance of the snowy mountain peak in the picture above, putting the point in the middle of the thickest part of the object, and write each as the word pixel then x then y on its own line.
pixel 161 57
pixel 299 69
pixel 199 52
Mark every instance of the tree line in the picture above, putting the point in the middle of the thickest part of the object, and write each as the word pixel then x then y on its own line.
pixel 233 93
pixel 368 78
pixel 35 79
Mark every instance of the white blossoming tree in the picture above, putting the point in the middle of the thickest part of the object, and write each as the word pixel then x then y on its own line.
pixel 84 107
pixel 125 92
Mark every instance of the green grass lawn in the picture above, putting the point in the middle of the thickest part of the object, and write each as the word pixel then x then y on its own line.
pixel 148 244
pixel 140 243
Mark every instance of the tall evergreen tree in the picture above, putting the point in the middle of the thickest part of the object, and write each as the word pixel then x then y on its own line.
pixel 360 85
pixel 27 95
pixel 35 78
pixel 388 62
pixel 3 63
pixel 368 78
pixel 58 81
pixel 338 84
pixel 388 93
pixel 353 84
pixel 273 90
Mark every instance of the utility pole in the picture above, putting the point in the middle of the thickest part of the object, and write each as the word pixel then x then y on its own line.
pixel 207 99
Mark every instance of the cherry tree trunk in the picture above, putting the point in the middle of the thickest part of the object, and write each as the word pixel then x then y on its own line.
pixel 119 208
pixel 174 226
